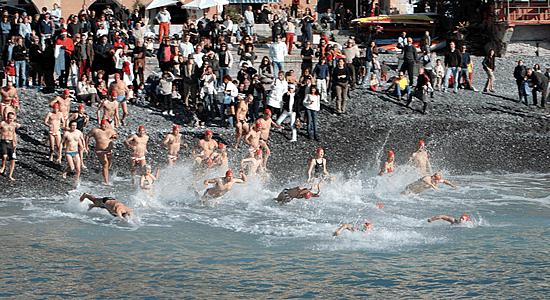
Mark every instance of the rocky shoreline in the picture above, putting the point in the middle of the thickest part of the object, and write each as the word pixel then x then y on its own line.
pixel 466 132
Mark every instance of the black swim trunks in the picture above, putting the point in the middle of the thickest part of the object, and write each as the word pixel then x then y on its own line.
pixel 6 146
pixel 105 199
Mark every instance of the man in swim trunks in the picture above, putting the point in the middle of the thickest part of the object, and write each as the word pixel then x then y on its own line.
pixel 121 89
pixel 8 94
pixel 367 226
pixel 253 138
pixel 266 122
pixel 138 144
pixel 463 219
pixel 64 102
pixel 242 126
pixel 317 167
pixel 222 185
pixel 12 108
pixel 103 137
pixel 388 164
pixel 220 158
pixel 114 207
pixel 426 183
pixel 82 120
pixel 55 121
pixel 8 143
pixel 253 164
pixel 109 107
pixel 420 160
pixel 73 142
pixel 205 149
pixel 297 193
pixel 172 142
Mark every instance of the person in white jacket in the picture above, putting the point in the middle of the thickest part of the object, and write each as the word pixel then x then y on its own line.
pixel 278 51
pixel 278 88
pixel 312 103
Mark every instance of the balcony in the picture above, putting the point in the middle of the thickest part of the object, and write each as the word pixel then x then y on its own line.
pixel 523 12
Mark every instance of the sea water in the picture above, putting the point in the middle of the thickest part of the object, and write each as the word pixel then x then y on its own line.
pixel 246 245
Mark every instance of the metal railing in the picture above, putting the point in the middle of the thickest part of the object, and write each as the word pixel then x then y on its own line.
pixel 530 12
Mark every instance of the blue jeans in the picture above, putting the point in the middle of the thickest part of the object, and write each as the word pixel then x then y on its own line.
pixel 222 72
pixel 278 66
pixel 311 123
pixel 399 92
pixel 454 71
pixel 20 72
pixel 523 91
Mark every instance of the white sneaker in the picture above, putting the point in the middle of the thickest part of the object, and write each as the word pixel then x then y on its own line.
pixel 293 141
pixel 165 113
pixel 171 113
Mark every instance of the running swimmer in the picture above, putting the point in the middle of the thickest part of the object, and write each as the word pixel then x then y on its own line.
pixel 253 164
pixel 55 121
pixel 13 107
pixel 388 164
pixel 138 144
pixel 420 160
pixel 367 226
pixel 8 94
pixel 73 142
pixel 298 192
pixel 82 120
pixel 266 122
pixel 64 102
pixel 317 167
pixel 8 143
pixel 222 185
pixel 463 219
pixel 242 128
pixel 205 149
pixel 427 182
pixel 109 108
pixel 220 157
pixel 121 89
pixel 104 137
pixel 114 207
pixel 172 142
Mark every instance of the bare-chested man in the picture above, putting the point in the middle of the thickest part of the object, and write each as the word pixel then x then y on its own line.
pixel 8 93
pixel 266 123
pixel 253 138
pixel 222 185
pixel 121 89
pixel 13 107
pixel 425 183
pixel 8 143
pixel 254 165
pixel 73 141
pixel 298 192
pixel 172 142
pixel 64 102
pixel 420 160
pixel 55 121
pixel 103 137
pixel 220 158
pixel 82 119
pixel 114 207
pixel 109 108
pixel 241 114
pixel 138 144
pixel 205 149
pixel 454 221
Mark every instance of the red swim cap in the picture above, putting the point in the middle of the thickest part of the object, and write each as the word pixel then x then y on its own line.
pixel 66 92
pixel 308 195
pixel 208 132
pixel 81 106
pixel 421 143
pixel 267 111
pixel 259 124
pixel 141 127
pixel 117 76
pixel 55 105
pixel 229 173
pixel 437 176
pixel 14 102
pixel 258 152
pixel 104 122
pixel 114 93
pixel 175 126
pixel 221 146
pixel 391 154
pixel 465 217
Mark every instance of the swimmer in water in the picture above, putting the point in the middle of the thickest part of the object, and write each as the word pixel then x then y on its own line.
pixel 420 160
pixel 463 219
pixel 367 226
pixel 388 166
pixel 425 183
pixel 222 185
pixel 148 179
pixel 114 207
pixel 298 192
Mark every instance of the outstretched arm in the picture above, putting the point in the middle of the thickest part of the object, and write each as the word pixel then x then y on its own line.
pixel 447 182
pixel 342 228
pixel 443 218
